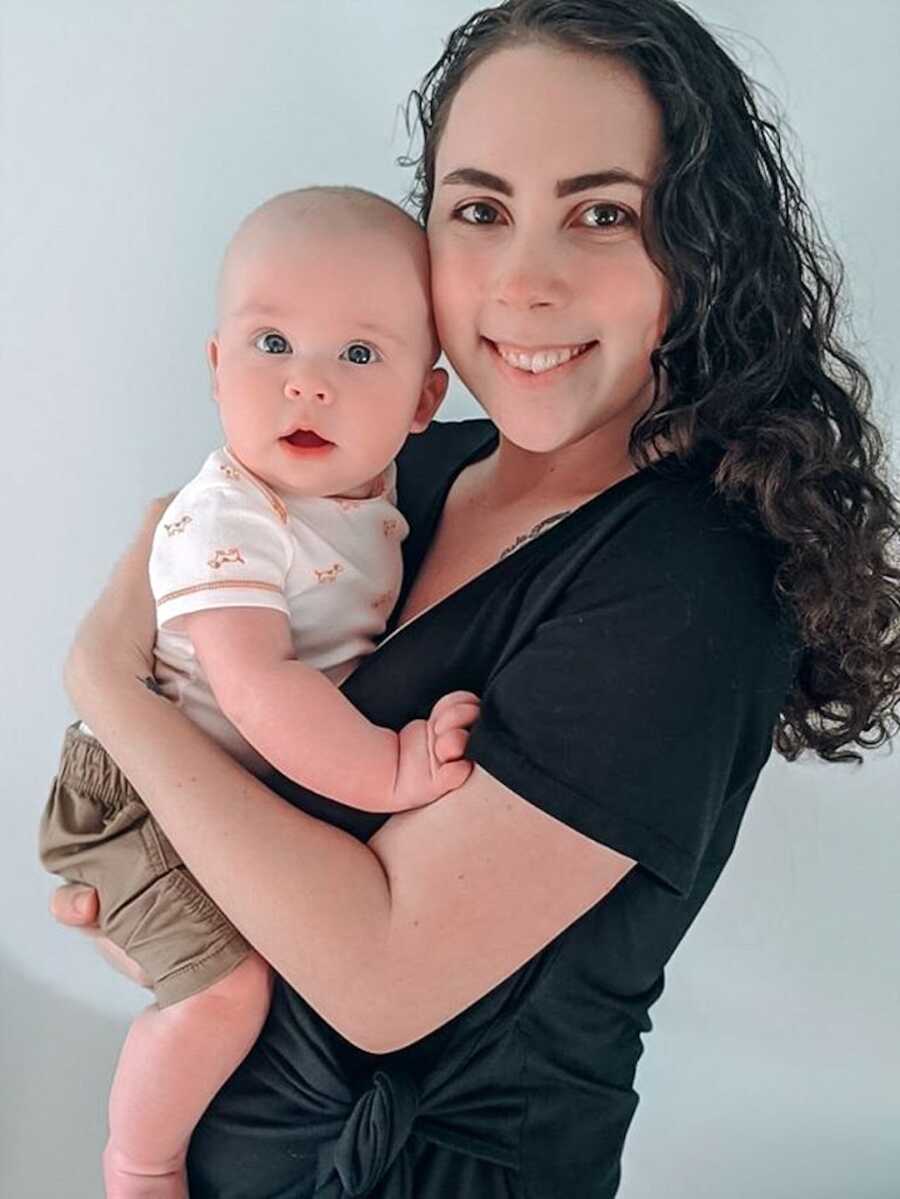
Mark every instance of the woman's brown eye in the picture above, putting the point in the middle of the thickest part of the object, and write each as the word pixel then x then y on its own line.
pixel 480 214
pixel 608 216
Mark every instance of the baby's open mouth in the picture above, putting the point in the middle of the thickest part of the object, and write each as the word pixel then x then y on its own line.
pixel 305 438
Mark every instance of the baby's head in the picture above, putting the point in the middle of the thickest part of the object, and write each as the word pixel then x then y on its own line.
pixel 324 350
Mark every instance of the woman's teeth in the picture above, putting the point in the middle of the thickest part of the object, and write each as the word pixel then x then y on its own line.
pixel 538 361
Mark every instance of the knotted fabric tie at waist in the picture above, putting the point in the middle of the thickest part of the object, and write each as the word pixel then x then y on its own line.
pixel 476 1120
pixel 375 1131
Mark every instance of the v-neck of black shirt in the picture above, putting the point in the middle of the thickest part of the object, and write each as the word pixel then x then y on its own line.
pixel 423 530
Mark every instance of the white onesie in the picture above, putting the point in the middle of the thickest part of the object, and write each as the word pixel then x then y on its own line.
pixel 333 566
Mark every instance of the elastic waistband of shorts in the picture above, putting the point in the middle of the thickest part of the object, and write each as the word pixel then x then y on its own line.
pixel 86 763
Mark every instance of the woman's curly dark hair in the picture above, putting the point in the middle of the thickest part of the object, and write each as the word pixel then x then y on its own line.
pixel 750 377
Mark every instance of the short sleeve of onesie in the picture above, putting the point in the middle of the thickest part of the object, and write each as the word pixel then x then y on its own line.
pixel 221 543
pixel 630 709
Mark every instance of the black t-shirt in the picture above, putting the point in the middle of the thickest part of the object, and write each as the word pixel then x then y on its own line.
pixel 631 662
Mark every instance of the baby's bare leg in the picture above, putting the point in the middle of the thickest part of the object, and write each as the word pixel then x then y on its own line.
pixel 173 1062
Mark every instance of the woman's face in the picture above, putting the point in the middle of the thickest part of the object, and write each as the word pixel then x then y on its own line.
pixel 546 301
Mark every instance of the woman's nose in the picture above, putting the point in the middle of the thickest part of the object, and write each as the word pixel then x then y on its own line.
pixel 529 275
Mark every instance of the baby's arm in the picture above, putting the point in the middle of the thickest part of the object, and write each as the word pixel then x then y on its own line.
pixel 301 723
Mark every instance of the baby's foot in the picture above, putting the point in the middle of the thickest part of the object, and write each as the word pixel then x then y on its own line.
pixel 125 1180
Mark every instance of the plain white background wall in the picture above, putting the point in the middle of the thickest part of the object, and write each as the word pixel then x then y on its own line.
pixel 134 137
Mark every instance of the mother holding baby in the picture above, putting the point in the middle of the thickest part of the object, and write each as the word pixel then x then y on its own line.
pixel 665 551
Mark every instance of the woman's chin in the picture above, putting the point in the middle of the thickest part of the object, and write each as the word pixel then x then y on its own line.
pixel 531 433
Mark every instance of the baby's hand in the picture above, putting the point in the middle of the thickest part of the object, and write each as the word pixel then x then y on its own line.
pixel 449 723
pixel 431 751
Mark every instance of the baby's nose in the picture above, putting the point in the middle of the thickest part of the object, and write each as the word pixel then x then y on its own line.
pixel 296 389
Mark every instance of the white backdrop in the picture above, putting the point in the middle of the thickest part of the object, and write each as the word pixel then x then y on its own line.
pixel 134 137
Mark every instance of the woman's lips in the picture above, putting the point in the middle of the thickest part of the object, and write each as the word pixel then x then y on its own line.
pixel 533 366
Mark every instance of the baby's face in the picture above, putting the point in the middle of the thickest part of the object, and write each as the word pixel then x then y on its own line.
pixel 323 356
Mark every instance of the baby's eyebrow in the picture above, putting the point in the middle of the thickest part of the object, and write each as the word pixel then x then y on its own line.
pixel 380 332
pixel 255 309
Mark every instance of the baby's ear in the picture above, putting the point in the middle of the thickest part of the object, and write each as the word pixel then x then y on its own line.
pixel 431 398
pixel 212 356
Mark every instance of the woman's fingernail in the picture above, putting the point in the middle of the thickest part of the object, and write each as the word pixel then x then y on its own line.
pixel 82 904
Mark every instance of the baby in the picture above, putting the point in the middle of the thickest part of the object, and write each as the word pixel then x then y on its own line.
pixel 273 571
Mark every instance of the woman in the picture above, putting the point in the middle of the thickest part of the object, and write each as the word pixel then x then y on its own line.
pixel 668 543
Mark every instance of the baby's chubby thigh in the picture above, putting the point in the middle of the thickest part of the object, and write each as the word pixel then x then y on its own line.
pixel 173 1062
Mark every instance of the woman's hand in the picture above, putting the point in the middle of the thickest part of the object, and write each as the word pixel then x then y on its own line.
pixel 121 625
pixel 77 906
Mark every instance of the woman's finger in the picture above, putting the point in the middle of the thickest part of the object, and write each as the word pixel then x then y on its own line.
pixel 121 962
pixel 75 905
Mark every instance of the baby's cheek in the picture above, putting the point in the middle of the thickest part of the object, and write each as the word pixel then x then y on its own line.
pixel 387 423
pixel 242 427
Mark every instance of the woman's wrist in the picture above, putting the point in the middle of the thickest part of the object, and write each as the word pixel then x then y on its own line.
pixel 91 675
pixel 114 642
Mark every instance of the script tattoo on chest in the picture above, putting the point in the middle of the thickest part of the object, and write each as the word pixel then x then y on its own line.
pixel 535 532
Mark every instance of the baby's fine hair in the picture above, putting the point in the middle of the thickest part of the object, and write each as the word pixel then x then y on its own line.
pixel 343 208
pixel 357 203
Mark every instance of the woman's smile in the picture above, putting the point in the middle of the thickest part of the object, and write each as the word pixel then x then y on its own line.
pixel 541 365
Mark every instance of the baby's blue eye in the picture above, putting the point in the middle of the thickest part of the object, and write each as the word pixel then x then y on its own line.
pixel 359 354
pixel 273 343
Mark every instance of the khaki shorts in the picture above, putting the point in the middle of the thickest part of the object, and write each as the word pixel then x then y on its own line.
pixel 95 829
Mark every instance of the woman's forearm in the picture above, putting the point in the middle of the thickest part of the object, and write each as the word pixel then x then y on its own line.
pixel 312 899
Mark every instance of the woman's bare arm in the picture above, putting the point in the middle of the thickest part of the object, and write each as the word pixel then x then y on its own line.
pixel 387 941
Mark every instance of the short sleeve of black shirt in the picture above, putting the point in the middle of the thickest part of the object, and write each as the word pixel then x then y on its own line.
pixel 647 694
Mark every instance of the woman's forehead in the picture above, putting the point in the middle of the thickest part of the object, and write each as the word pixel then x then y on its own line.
pixel 554 112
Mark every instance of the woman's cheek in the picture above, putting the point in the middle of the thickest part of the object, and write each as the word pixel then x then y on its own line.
pixel 449 300
pixel 454 271
pixel 638 299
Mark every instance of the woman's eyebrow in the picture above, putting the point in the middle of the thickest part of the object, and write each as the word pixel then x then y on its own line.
pixel 582 183
pixel 474 177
